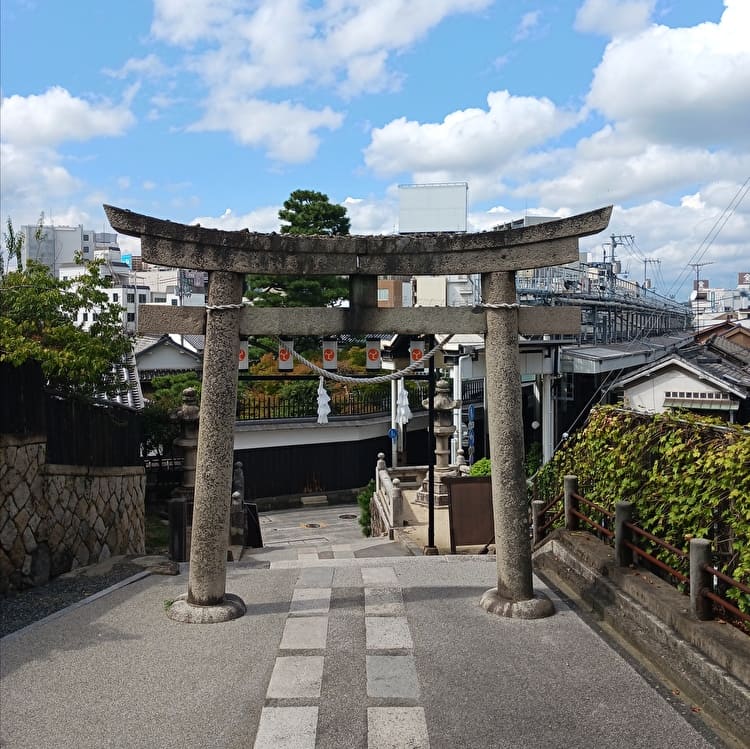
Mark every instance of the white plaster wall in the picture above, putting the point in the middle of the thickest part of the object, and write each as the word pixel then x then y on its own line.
pixel 166 357
pixel 254 435
pixel 649 394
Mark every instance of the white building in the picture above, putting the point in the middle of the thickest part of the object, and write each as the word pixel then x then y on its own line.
pixel 711 305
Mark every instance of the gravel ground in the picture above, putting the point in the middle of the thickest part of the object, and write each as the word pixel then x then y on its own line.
pixel 19 609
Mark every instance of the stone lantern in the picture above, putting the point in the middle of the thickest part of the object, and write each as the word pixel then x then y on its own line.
pixel 443 406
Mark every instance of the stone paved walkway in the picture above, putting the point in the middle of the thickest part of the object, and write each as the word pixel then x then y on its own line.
pixel 340 648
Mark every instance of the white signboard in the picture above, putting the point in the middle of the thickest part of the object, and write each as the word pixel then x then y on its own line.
pixel 436 207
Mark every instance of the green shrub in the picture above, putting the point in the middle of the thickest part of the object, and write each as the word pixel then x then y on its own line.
pixel 482 467
pixel 363 500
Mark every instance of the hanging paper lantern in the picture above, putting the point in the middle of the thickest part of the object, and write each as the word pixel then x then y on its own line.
pixel 286 360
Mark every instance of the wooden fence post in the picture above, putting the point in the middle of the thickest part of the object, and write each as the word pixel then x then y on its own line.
pixel 537 518
pixel 570 486
pixel 623 514
pixel 700 555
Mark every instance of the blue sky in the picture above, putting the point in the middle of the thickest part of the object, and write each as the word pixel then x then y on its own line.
pixel 215 110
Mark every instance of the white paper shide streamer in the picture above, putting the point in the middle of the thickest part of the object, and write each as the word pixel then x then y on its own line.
pixel 403 412
pixel 323 400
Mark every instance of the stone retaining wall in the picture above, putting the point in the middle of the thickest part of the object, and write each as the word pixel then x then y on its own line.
pixel 55 518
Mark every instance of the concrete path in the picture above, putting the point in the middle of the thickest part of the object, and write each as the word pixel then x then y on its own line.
pixel 340 647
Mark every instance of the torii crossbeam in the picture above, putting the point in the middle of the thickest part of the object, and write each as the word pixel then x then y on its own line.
pixel 229 255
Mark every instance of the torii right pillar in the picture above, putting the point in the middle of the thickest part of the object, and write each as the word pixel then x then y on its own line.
pixel 514 595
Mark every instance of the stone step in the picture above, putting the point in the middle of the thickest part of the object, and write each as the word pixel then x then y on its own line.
pixel 314 499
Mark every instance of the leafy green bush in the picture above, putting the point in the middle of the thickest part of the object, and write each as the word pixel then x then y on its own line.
pixel 482 467
pixel 363 500
pixel 687 477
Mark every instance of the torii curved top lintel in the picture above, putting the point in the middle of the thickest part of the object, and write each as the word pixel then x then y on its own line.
pixel 192 246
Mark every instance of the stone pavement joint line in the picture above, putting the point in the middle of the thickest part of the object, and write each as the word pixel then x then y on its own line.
pixel 394 717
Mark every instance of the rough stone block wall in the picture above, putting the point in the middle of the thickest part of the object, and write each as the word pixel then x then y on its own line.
pixel 56 518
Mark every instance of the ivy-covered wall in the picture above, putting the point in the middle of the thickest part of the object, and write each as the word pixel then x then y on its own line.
pixel 687 476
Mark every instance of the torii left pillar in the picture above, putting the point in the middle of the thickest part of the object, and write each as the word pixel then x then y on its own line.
pixel 206 600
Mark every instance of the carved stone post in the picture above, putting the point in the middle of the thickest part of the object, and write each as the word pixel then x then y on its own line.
pixel 443 428
pixel 188 415
pixel 237 512
pixel 206 600
pixel 514 595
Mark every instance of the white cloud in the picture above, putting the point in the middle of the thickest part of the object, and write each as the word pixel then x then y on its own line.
pixel 34 129
pixel 264 219
pixel 529 22
pixel 55 116
pixel 467 143
pixel 684 85
pixel 614 17
pixel 188 21
pixel 240 52
pixel 612 167
pixel 286 130
pixel 147 67
pixel 372 215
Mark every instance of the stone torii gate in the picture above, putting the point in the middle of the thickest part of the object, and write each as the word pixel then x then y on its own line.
pixel 229 255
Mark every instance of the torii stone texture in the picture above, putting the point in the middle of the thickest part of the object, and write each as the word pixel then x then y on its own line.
pixel 227 255
pixel 514 595
pixel 206 600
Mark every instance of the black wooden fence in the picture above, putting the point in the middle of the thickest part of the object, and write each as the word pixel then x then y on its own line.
pixel 79 431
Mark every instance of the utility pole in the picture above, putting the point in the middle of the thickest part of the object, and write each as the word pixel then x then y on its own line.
pixel 646 261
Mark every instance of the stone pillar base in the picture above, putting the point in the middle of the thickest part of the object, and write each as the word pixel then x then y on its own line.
pixel 232 607
pixel 537 607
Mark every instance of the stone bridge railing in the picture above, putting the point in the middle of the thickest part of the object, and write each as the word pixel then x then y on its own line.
pixel 387 504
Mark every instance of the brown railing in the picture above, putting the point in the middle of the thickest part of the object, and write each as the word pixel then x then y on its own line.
pixel 590 521
pixel 624 535
pixel 635 530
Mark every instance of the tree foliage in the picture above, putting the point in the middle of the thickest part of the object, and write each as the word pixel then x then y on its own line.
pixel 305 212
pixel 311 212
pixel 160 428
pixel 38 321
pixel 687 477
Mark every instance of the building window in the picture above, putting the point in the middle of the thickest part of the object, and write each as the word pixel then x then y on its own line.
pixel 160 299
pixel 95 316
pixel 141 299
pixel 85 316
pixel 85 249
pixel 85 237
pixel 131 316
pixel 383 295
pixel 131 298
pixel 115 297
pixel 174 302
